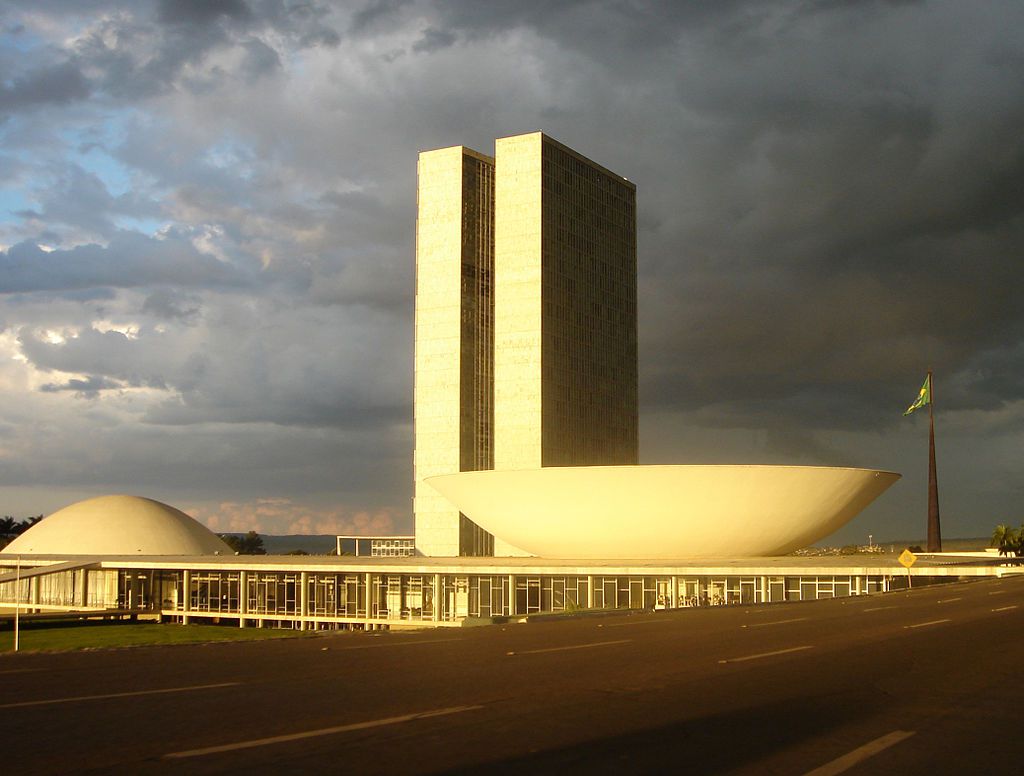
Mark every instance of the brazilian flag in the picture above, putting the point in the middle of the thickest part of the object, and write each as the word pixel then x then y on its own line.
pixel 924 396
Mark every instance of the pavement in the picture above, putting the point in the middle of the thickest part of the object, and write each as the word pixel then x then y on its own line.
pixel 915 682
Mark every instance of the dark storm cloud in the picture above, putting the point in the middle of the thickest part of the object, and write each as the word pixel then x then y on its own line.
pixel 55 85
pixel 376 14
pixel 201 12
pixel 129 260
pixel 171 305
pixel 79 198
pixel 110 358
pixel 433 39
pixel 142 51
pixel 260 60
pixel 829 203
pixel 88 388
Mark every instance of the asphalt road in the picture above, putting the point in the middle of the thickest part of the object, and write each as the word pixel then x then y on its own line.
pixel 925 681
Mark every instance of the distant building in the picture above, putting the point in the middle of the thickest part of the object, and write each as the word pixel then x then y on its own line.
pixel 376 546
pixel 526 342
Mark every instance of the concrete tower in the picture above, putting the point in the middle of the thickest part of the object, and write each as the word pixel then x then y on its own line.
pixel 526 345
pixel 454 341
pixel 565 363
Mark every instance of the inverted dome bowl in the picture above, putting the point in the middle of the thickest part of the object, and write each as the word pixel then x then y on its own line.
pixel 663 511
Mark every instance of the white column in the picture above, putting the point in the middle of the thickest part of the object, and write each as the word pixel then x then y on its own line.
pixel 303 599
pixel 243 597
pixel 186 595
pixel 511 594
pixel 83 592
pixel 436 600
pixel 590 591
pixel 369 595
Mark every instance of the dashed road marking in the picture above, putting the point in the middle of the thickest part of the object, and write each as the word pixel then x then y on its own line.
pixel 393 644
pixel 926 624
pixel 319 732
pixel 1005 608
pixel 193 688
pixel 948 600
pixel 774 622
pixel 638 622
pixel 760 655
pixel 861 753
pixel 877 608
pixel 572 646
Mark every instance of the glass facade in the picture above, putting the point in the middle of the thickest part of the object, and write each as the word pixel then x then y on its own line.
pixel 333 599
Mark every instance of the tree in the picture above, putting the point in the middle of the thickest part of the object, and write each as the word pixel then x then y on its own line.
pixel 27 523
pixel 10 528
pixel 1009 540
pixel 250 544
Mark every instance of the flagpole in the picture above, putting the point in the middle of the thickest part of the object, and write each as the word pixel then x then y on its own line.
pixel 934 532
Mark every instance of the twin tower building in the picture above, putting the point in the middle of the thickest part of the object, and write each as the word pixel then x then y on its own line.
pixel 526 322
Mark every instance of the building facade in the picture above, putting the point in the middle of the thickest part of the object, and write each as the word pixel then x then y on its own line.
pixel 454 341
pixel 309 592
pixel 565 309
pixel 526 344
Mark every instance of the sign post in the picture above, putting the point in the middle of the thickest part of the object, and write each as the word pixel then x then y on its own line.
pixel 908 559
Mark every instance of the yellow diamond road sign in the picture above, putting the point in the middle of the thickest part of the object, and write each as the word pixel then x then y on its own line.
pixel 907 558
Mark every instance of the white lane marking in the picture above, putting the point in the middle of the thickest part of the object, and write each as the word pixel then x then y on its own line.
pixel 1005 608
pixel 861 753
pixel 764 654
pixel 638 622
pixel 877 608
pixel 392 644
pixel 22 671
pixel 773 622
pixel 948 600
pixel 926 624
pixel 996 592
pixel 193 688
pixel 319 732
pixel 574 646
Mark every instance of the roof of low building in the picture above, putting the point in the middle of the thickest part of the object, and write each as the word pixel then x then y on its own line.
pixel 118 525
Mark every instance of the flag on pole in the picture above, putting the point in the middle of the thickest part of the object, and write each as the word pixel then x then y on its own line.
pixel 924 396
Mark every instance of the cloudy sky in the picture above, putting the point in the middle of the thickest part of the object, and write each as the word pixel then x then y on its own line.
pixel 207 213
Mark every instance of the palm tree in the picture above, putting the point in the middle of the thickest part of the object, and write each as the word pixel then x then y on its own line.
pixel 8 528
pixel 27 523
pixel 1007 539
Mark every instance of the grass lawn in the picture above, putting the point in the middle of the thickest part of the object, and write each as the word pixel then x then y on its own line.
pixel 72 634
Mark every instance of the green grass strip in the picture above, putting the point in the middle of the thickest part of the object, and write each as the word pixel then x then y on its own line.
pixel 62 636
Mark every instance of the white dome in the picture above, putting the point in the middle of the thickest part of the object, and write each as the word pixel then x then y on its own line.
pixel 118 525
pixel 663 511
